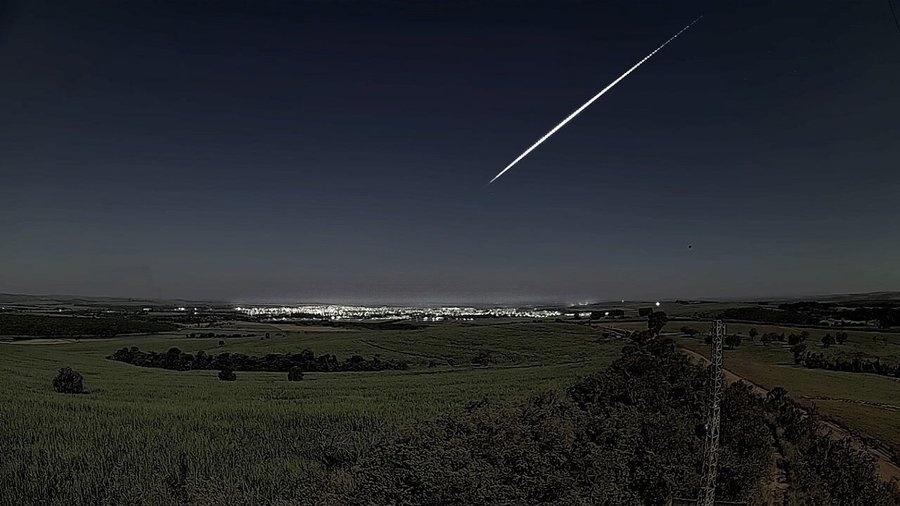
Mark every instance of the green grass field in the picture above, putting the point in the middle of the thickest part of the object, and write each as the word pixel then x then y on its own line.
pixel 139 432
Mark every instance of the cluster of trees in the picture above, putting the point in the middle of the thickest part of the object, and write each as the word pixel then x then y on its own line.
pixel 885 313
pixel 769 315
pixel 794 339
pixel 823 469
pixel 273 362
pixel 842 362
pixel 837 338
pixel 732 341
pixel 34 325
pixel 631 434
pixel 885 317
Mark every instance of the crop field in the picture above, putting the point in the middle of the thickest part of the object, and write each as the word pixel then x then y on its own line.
pixel 140 433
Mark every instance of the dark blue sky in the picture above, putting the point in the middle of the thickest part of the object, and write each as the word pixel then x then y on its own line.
pixel 340 150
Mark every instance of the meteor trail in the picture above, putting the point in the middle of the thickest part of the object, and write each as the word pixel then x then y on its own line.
pixel 591 101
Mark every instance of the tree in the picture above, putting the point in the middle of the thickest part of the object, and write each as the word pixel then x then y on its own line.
pixel 753 333
pixel 841 337
pixel 482 358
pixel 227 375
pixel 798 350
pixel 295 374
pixel 827 340
pixel 732 341
pixel 68 382
pixel 656 321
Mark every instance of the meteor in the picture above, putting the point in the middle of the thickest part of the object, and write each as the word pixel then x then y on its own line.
pixel 591 101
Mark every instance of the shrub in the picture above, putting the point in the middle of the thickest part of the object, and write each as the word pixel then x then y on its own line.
pixel 483 358
pixel 626 435
pixel 227 375
pixel 689 331
pixel 68 382
pixel 295 374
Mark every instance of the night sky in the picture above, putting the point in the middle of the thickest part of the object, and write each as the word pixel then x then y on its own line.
pixel 339 151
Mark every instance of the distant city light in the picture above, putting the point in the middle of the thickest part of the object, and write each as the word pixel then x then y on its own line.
pixel 338 312
pixel 657 304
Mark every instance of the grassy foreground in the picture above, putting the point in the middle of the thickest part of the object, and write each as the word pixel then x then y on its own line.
pixel 139 432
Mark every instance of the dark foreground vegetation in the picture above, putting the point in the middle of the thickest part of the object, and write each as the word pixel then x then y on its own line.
pixel 631 434
pixel 306 361
pixel 25 326
pixel 68 381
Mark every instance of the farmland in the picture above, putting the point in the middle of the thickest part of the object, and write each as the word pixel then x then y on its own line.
pixel 260 437
pixel 497 389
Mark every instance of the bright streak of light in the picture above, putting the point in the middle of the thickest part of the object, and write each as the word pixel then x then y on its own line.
pixel 591 101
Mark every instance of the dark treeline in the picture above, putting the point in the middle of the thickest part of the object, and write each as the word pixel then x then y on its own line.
pixel 33 325
pixel 306 360
pixel 843 362
pixel 631 434
pixel 769 315
pixel 885 315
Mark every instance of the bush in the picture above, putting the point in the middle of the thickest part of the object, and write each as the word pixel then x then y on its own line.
pixel 483 358
pixel 689 331
pixel 227 375
pixel 295 374
pixel 68 382
pixel 626 435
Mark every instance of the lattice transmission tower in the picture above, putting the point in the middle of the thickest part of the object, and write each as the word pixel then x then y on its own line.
pixel 711 447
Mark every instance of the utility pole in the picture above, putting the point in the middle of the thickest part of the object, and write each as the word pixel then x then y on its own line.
pixel 711 446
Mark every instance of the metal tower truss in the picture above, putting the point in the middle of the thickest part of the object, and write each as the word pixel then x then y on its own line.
pixel 711 445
